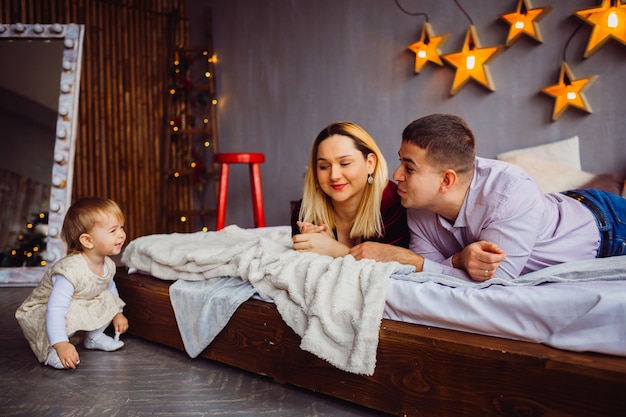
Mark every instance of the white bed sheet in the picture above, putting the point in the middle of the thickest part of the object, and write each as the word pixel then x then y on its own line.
pixel 585 316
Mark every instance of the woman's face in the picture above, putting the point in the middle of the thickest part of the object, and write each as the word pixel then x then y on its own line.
pixel 342 170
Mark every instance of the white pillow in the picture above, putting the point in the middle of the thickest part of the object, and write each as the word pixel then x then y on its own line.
pixel 563 152
pixel 551 177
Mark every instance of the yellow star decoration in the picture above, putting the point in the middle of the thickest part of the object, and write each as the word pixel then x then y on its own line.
pixel 607 21
pixel 569 92
pixel 471 62
pixel 427 48
pixel 525 21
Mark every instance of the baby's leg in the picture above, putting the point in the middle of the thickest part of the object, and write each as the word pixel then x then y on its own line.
pixel 96 339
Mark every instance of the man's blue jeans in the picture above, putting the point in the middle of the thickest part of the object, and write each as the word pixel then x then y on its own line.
pixel 610 212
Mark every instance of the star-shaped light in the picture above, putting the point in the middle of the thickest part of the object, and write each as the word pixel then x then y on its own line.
pixel 525 21
pixel 427 48
pixel 471 62
pixel 569 92
pixel 608 21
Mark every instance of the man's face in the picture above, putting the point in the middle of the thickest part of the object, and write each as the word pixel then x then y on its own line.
pixel 418 181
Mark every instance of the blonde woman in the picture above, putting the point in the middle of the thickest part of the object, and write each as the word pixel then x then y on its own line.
pixel 348 198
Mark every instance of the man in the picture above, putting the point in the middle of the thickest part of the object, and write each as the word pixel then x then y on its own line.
pixel 478 218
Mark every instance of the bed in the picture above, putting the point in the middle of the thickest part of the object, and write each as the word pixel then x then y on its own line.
pixel 554 344
pixel 422 369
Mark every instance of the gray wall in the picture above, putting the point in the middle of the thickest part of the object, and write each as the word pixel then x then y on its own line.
pixel 287 68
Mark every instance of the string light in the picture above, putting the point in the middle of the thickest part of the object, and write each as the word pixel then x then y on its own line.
pixel 608 21
pixel 569 92
pixel 27 250
pixel 471 62
pixel 426 49
pixel 525 21
pixel 192 99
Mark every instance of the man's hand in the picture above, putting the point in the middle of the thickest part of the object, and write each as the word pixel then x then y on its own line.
pixel 479 259
pixel 384 252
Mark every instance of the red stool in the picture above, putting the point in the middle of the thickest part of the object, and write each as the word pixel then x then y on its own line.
pixel 253 159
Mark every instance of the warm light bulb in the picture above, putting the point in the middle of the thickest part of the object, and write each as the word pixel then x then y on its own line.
pixel 176 174
pixel 612 20
pixel 470 62
pixel 175 128
pixel 207 74
pixel 214 102
pixel 183 219
pixel 519 25
pixel 193 164
pixel 205 229
pixel 207 143
pixel 571 95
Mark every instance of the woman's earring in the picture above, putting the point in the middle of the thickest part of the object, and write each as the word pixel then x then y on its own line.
pixel 370 179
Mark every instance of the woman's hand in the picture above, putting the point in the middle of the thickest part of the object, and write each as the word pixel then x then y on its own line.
pixel 306 227
pixel 320 242
pixel 68 355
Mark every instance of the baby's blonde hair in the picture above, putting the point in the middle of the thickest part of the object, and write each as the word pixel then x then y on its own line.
pixel 83 215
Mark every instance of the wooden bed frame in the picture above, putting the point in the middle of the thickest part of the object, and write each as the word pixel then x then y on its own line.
pixel 421 371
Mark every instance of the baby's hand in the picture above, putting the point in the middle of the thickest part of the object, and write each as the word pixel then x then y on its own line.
pixel 67 354
pixel 120 323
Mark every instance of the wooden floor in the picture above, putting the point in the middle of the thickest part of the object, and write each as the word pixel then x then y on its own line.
pixel 141 379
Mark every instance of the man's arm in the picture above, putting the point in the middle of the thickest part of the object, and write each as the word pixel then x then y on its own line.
pixel 384 252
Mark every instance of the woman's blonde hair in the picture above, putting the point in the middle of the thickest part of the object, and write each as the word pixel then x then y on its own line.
pixel 317 206
pixel 83 215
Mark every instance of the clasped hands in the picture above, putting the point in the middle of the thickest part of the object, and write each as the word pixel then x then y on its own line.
pixel 314 238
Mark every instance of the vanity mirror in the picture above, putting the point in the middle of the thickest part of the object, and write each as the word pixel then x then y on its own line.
pixel 39 90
